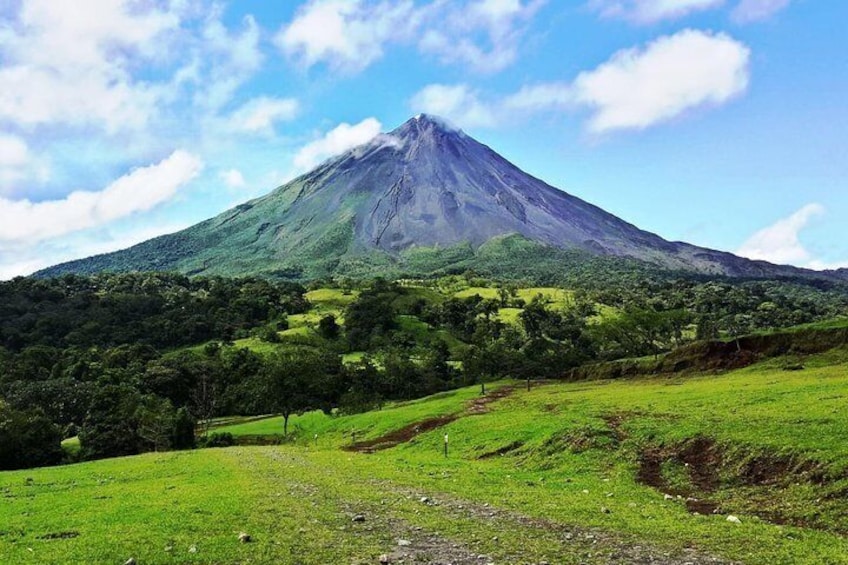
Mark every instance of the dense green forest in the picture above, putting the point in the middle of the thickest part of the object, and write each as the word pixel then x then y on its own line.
pixel 133 362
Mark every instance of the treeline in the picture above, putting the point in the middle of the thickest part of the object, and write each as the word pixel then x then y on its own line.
pixel 133 362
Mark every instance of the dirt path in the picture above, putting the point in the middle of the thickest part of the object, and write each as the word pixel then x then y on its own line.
pixel 394 438
pixel 591 545
pixel 427 526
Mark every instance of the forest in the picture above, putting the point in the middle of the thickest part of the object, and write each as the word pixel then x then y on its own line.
pixel 139 362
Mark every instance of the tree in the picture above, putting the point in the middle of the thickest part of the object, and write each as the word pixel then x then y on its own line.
pixel 111 427
pixel 27 439
pixel 328 328
pixel 156 417
pixel 295 381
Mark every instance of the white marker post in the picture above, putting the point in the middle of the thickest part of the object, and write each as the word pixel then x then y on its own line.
pixel 446 445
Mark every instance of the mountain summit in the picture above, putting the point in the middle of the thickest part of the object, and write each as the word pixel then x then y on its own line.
pixel 425 187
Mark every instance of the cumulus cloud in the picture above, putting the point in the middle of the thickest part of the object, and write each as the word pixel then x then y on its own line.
pixel 223 60
pixel 232 178
pixel 637 87
pixel 23 221
pixel 779 243
pixel 69 63
pixel 458 103
pixel 502 23
pixel 350 35
pixel 260 114
pixel 756 10
pixel 651 11
pixel 345 34
pixel 338 140
pixel 18 164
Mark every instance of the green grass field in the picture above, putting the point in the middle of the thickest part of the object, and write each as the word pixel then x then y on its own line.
pixel 522 472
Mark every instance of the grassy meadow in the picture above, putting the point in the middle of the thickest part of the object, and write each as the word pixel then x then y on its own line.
pixel 587 472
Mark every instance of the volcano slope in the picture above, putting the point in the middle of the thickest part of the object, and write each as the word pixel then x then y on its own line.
pixel 589 472
pixel 422 199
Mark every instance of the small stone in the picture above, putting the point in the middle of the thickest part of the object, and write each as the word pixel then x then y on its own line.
pixel 404 542
pixel 425 500
pixel 359 518
pixel 130 561
pixel 169 548
pixel 668 497
pixel 192 549
pixel 244 538
pixel 605 510
pixel 734 519
pixel 385 559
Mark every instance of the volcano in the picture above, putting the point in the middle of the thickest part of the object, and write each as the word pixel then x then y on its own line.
pixel 424 190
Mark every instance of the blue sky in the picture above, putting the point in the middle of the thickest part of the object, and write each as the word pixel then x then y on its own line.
pixel 719 122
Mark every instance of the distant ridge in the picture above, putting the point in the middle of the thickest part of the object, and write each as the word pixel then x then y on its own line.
pixel 425 189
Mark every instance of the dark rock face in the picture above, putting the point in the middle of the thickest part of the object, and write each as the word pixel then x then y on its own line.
pixel 424 184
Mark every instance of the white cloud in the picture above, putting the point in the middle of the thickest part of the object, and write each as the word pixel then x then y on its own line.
pixel 223 60
pixel 232 178
pixel 13 151
pixel 345 34
pixel 27 260
pixel 779 243
pixel 651 11
pixel 23 221
pixel 458 103
pixel 338 140
pixel 637 88
pixel 544 96
pixel 454 39
pixel 756 10
pixel 350 35
pixel 69 63
pixel 18 164
pixel 260 114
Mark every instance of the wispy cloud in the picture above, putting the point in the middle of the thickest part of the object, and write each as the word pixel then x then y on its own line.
pixel 260 114
pixel 338 140
pixel 459 103
pixel 651 11
pixel 780 243
pixel 25 222
pixel 350 35
pixel 757 10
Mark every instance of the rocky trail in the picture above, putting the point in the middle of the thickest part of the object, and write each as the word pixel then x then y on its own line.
pixel 416 526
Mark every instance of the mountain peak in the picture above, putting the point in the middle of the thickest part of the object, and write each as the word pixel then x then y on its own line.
pixel 426 125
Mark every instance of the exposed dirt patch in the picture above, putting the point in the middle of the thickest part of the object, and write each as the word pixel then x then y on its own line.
pixel 703 459
pixel 476 407
pixel 650 469
pixel 698 506
pixel 502 451
pixel 774 470
pixel 59 535
pixel 400 436
pixel 481 405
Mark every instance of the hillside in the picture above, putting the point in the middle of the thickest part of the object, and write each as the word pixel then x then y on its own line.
pixel 606 472
pixel 423 198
